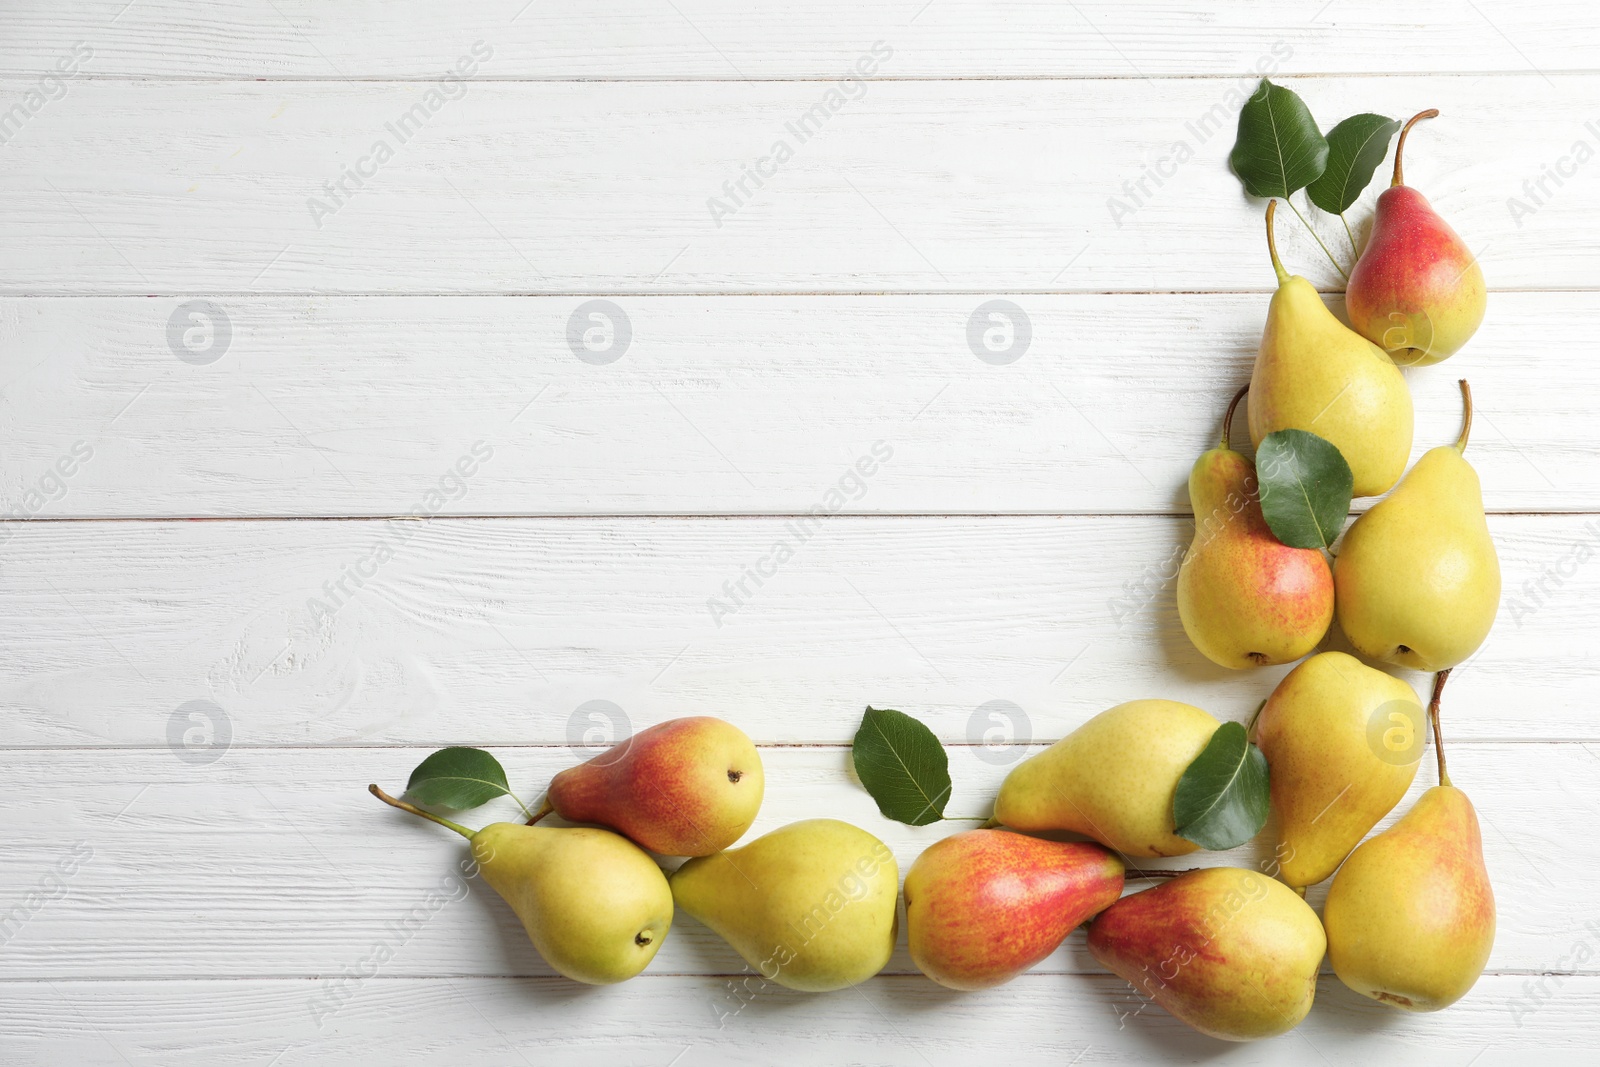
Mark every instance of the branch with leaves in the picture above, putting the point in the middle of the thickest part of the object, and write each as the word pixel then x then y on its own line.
pixel 1280 151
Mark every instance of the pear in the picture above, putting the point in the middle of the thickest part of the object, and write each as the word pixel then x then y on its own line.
pixel 1410 916
pixel 595 906
pixel 1246 599
pixel 1342 741
pixel 1417 290
pixel 1112 778
pixel 811 905
pixel 1229 951
pixel 1313 373
pixel 685 787
pixel 1417 580
pixel 985 905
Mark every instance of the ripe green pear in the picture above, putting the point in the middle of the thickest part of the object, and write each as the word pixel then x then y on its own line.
pixel 1313 373
pixel 1229 951
pixel 1342 741
pixel 685 787
pixel 1410 916
pixel 592 902
pixel 1246 599
pixel 1417 579
pixel 1417 290
pixel 811 906
pixel 1112 778
pixel 985 905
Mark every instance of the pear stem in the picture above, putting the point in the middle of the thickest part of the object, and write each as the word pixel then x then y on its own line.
pixel 413 809
pixel 1466 416
pixel 1227 420
pixel 1433 713
pixel 534 817
pixel 1136 872
pixel 1316 237
pixel 1250 730
pixel 1272 244
pixel 1400 147
pixel 1353 250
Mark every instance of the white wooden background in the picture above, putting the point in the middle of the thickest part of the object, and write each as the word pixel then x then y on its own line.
pixel 203 898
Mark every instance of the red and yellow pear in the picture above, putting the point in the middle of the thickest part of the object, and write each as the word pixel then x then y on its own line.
pixel 985 905
pixel 1246 599
pixel 1227 950
pixel 685 787
pixel 1417 290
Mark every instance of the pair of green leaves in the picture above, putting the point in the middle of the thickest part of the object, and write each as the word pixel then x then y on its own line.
pixel 1280 150
pixel 1220 803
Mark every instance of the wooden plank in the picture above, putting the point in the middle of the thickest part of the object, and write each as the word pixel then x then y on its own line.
pixel 726 40
pixel 991 186
pixel 499 632
pixel 276 863
pixel 473 624
pixel 755 405
pixel 1037 1019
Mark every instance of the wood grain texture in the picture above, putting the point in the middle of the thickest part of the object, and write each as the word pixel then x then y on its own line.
pixel 277 863
pixel 499 631
pixel 1043 1020
pixel 727 40
pixel 357 405
pixel 1002 186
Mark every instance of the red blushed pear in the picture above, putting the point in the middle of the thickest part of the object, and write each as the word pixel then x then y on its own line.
pixel 1227 950
pixel 985 905
pixel 1417 290
pixel 685 787
pixel 1246 599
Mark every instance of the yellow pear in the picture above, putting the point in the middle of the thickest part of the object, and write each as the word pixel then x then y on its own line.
pixel 1417 580
pixel 1410 916
pixel 1112 778
pixel 593 903
pixel 1246 599
pixel 1342 742
pixel 1314 373
pixel 1229 951
pixel 811 905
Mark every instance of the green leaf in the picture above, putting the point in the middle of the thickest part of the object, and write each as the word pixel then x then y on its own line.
pixel 1355 148
pixel 1279 148
pixel 458 778
pixel 1305 488
pixel 903 766
pixel 1221 800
